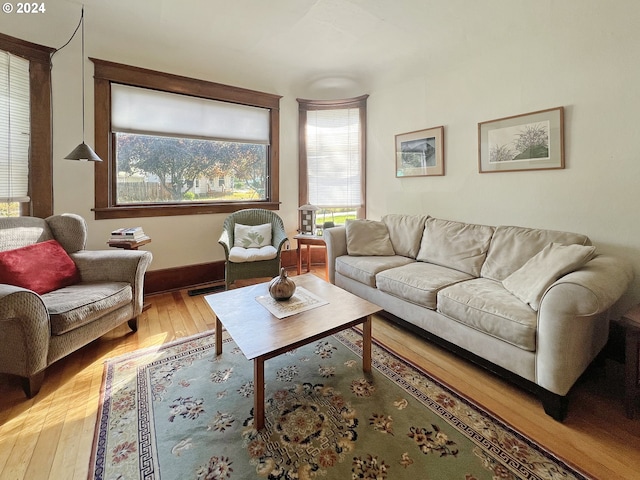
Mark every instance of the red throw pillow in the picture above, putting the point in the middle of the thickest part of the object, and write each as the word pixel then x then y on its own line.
pixel 41 267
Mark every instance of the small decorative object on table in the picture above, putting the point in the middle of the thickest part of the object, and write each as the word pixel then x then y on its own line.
pixel 282 287
pixel 307 219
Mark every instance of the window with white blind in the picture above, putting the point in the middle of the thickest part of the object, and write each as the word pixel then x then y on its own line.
pixel 15 128
pixel 26 145
pixel 181 146
pixel 332 157
pixel 174 148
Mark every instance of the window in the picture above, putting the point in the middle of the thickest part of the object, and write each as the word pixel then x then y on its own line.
pixel 25 128
pixel 332 158
pixel 15 131
pixel 180 146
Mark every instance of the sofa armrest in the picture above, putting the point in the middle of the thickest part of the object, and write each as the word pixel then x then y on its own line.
pixel 336 241
pixel 24 331
pixel 573 320
pixel 115 266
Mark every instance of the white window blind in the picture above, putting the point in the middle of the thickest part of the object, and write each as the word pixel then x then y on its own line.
pixel 15 128
pixel 141 110
pixel 334 157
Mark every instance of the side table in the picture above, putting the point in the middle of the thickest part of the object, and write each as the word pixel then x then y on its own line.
pixel 631 323
pixel 309 241
pixel 132 246
pixel 129 245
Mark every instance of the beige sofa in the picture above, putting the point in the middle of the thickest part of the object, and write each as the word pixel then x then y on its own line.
pixel 530 304
pixel 39 329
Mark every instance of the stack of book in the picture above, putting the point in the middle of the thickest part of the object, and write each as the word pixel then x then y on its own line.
pixel 132 235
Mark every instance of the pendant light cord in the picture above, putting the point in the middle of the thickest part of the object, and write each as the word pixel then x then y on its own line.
pixel 82 22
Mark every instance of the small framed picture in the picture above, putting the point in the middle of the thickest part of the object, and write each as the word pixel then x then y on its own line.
pixel 420 153
pixel 532 141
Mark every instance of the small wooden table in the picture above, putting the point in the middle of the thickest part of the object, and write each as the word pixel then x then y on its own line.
pixel 631 323
pixel 261 335
pixel 132 246
pixel 309 241
pixel 129 245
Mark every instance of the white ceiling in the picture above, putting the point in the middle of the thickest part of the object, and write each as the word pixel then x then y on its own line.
pixel 309 44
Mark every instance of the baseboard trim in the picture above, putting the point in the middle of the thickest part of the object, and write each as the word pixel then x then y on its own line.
pixel 186 276
pixel 198 275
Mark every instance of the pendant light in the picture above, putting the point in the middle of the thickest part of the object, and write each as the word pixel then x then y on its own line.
pixel 83 152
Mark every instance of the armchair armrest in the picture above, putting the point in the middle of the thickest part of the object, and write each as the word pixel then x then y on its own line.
pixel 573 320
pixel 24 330
pixel 225 241
pixel 115 266
pixel 336 240
pixel 279 237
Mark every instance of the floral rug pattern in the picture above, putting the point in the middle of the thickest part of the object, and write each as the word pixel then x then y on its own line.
pixel 181 412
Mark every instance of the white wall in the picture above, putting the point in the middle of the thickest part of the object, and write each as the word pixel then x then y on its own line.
pixel 582 55
pixel 586 61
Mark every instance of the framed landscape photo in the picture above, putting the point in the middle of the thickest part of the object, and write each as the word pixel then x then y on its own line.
pixel 420 153
pixel 532 141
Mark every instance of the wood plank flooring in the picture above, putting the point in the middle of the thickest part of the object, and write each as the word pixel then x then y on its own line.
pixel 50 436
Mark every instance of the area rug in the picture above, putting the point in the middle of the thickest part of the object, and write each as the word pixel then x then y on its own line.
pixel 181 412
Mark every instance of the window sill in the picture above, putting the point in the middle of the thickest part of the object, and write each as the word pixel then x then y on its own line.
pixel 139 211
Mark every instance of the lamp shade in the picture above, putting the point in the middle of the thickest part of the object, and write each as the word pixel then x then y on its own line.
pixel 83 152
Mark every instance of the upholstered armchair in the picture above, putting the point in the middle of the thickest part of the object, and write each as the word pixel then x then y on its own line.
pixel 56 297
pixel 252 252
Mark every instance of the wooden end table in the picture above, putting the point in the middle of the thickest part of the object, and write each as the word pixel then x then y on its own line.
pixel 132 246
pixel 261 335
pixel 129 245
pixel 631 323
pixel 309 241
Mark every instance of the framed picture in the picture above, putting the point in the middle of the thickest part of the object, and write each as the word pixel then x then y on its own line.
pixel 532 141
pixel 420 153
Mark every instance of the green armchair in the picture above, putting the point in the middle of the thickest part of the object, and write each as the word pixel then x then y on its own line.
pixel 257 262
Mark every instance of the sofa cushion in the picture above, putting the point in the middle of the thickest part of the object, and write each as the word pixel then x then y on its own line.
pixel 487 306
pixel 530 281
pixel 364 269
pixel 241 255
pixel 405 232
pixel 462 246
pixel 512 247
pixel 418 282
pixel 77 305
pixel 251 236
pixel 41 267
pixel 367 238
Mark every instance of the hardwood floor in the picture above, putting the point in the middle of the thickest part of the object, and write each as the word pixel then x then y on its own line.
pixel 50 436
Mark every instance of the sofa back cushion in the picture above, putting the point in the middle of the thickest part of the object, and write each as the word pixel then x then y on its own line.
pixel 405 232
pixel 462 246
pixel 368 238
pixel 511 247
pixel 16 232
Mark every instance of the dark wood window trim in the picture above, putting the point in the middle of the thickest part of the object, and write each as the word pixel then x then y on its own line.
pixel 106 72
pixel 41 148
pixel 304 106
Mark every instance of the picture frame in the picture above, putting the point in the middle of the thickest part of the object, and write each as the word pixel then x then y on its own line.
pixel 531 141
pixel 420 153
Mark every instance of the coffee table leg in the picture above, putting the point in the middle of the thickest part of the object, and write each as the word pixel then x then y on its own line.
pixel 366 344
pixel 218 336
pixel 258 387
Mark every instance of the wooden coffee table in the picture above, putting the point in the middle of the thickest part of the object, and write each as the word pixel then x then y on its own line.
pixel 261 335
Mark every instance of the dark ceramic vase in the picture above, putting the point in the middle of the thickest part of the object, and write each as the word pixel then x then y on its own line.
pixel 282 287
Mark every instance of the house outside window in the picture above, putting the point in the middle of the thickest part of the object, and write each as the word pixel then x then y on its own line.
pixel 333 158
pixel 170 143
